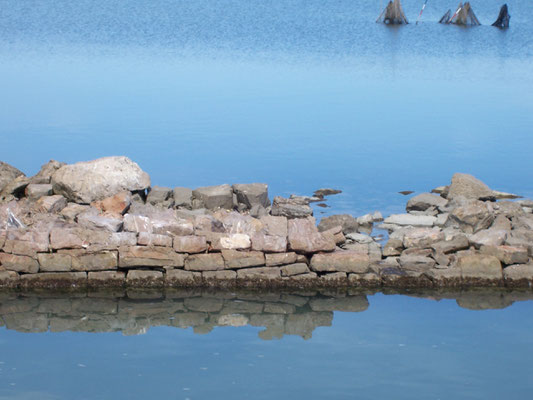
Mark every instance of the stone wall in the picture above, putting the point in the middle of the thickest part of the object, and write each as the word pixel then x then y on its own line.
pixel 100 224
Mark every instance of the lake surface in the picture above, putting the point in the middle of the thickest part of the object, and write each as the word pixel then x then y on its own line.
pixel 300 95
pixel 204 345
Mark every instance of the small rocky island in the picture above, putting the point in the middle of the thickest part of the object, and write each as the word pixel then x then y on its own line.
pixel 101 224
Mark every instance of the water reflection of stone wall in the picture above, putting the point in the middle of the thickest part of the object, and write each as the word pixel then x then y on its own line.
pixel 134 312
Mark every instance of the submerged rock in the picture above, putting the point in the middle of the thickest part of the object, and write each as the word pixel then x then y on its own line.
pixel 503 18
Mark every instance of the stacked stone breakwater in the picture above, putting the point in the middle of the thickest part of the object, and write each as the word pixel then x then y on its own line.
pixel 101 224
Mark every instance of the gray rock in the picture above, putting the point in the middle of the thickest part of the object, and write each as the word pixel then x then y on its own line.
pixel 294 269
pixel 45 173
pixel 340 261
pixel 51 204
pixel 161 197
pixel 7 174
pixel 234 259
pixel 252 194
pixel 204 262
pixel 85 182
pixel 422 237
pixel 92 220
pixel 182 197
pixel 275 259
pixel 290 208
pixel 510 209
pixel 141 278
pixel 34 191
pixel 469 187
pixel 518 275
pixel 258 211
pixel 214 197
pixel 347 222
pixel 190 244
pixel 410 220
pixel 360 238
pixel 14 189
pixel 472 217
pixel 501 223
pixel 305 238
pixel 25 264
pixel 326 192
pixel 153 239
pixel 507 254
pixel 488 237
pixel 441 190
pixel 143 256
pixel 456 243
pixel 479 267
pixel 425 201
pixel 394 247
pixel 503 195
pixel 416 263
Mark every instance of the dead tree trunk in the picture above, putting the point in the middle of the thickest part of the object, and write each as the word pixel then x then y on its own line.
pixel 503 18
pixel 465 16
pixel 393 14
pixel 446 17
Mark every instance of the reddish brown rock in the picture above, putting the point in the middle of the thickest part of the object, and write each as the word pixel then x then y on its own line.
pixel 118 204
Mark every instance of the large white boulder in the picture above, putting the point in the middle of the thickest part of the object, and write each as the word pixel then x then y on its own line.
pixel 85 182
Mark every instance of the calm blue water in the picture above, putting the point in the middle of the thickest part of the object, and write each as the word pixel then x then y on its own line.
pixel 301 95
pixel 389 346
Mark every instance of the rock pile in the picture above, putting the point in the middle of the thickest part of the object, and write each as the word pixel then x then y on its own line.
pixel 100 223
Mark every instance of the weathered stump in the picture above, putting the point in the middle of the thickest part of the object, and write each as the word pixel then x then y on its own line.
pixel 503 18
pixel 464 16
pixel 393 14
pixel 446 17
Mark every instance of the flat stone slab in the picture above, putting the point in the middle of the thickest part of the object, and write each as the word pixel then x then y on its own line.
pixel 340 261
pixel 410 220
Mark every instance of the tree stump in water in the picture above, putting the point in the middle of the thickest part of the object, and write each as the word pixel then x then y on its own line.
pixel 503 18
pixel 446 17
pixel 393 14
pixel 464 16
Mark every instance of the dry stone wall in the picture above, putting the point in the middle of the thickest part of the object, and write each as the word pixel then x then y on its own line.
pixel 60 229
